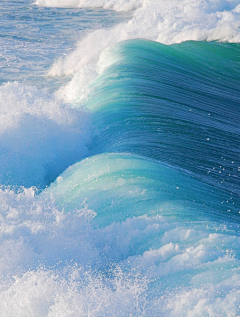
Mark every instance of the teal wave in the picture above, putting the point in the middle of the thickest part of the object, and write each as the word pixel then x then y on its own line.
pixel 178 104
pixel 175 111
pixel 118 186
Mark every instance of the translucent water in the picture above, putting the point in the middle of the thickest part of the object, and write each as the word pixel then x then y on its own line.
pixel 119 158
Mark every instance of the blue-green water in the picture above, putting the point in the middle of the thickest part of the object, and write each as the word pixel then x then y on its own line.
pixel 119 158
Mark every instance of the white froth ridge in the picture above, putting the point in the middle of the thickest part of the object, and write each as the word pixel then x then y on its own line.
pixel 117 5
pixel 36 132
pixel 166 22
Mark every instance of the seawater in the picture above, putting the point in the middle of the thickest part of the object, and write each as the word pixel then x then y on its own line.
pixel 119 155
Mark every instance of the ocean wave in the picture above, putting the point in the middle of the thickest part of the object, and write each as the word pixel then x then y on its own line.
pixel 136 166
pixel 177 104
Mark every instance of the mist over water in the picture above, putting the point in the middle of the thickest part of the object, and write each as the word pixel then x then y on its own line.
pixel 119 155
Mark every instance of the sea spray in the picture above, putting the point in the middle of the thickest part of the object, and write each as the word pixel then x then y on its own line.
pixel 151 228
pixel 57 263
pixel 165 22
pixel 39 136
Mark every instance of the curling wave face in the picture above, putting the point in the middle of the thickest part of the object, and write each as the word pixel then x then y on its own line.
pixel 170 103
pixel 137 162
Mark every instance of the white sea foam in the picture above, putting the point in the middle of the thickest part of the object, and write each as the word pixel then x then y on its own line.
pixel 54 263
pixel 36 131
pixel 167 22
pixel 126 5
pixel 117 5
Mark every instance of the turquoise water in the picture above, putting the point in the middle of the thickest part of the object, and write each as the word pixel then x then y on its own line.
pixel 119 155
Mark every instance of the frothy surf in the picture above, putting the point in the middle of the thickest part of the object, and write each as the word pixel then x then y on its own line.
pixel 165 22
pixel 120 191
pixel 39 136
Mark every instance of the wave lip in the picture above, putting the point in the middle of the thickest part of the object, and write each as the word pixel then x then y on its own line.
pixel 167 22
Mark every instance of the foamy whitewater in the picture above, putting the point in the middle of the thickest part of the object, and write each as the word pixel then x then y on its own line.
pixel 119 158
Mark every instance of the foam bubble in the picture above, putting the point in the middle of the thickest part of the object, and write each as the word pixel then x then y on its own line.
pixel 36 132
